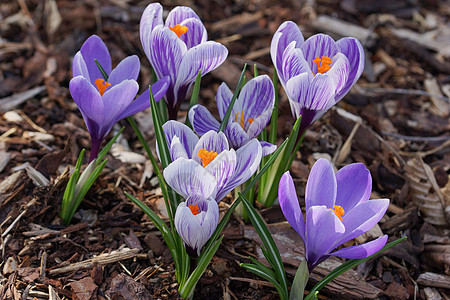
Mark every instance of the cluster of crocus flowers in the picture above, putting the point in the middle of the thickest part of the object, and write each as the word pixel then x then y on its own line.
pixel 179 49
pixel 104 101
pixel 249 116
pixel 338 209
pixel 315 73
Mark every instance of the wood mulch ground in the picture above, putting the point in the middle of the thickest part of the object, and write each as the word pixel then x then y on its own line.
pixel 395 121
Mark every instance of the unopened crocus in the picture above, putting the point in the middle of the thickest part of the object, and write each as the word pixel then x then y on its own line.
pixel 196 218
pixel 315 73
pixel 249 116
pixel 338 209
pixel 103 102
pixel 229 167
pixel 178 48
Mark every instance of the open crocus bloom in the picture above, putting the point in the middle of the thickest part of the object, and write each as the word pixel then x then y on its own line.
pixel 315 73
pixel 197 217
pixel 230 168
pixel 178 49
pixel 250 115
pixel 338 209
pixel 104 102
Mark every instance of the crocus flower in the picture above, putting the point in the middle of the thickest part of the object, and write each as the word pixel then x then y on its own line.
pixel 104 102
pixel 197 217
pixel 338 209
pixel 230 168
pixel 315 73
pixel 249 116
pixel 178 49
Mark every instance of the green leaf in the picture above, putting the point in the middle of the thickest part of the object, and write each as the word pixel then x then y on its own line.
pixel 69 192
pixel 108 146
pixel 194 97
pixel 350 264
pixel 187 288
pixel 239 86
pixel 272 254
pixel 257 270
pixel 99 66
pixel 300 281
pixel 255 71
pixel 274 119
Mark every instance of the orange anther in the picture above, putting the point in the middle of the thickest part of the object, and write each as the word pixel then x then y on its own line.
pixel 323 64
pixel 102 85
pixel 250 120
pixel 194 209
pixel 206 156
pixel 179 30
pixel 338 211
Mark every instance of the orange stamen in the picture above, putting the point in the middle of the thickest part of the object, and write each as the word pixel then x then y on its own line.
pixel 250 120
pixel 338 211
pixel 102 85
pixel 206 156
pixel 179 30
pixel 194 209
pixel 323 64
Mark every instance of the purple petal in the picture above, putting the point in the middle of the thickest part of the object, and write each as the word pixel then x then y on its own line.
pixel 94 49
pixel 323 228
pixel 196 33
pixel 151 18
pixel 255 98
pixel 361 218
pixel 354 185
pixel 210 141
pixel 223 99
pixel 205 57
pixel 223 167
pixel 188 179
pixel 267 148
pixel 248 158
pixel 294 63
pixel 201 119
pixel 179 14
pixel 259 123
pixel 317 46
pixel 286 33
pixel 79 67
pixel 187 137
pixel 177 149
pixel 354 52
pixel 236 135
pixel 116 100
pixel 289 204
pixel 87 98
pixel 339 71
pixel 128 68
pixel 362 251
pixel 321 185
pixel 142 102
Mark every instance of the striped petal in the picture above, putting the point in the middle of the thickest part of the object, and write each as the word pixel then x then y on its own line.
pixel 151 18
pixel 354 52
pixel 210 141
pixel 201 119
pixel 187 137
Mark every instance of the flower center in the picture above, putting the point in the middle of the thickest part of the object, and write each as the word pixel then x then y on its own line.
pixel 206 156
pixel 323 64
pixel 338 211
pixel 242 119
pixel 194 209
pixel 102 85
pixel 179 30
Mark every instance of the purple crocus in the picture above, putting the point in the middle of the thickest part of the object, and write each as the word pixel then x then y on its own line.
pixel 178 48
pixel 249 116
pixel 230 168
pixel 315 73
pixel 338 209
pixel 197 217
pixel 104 102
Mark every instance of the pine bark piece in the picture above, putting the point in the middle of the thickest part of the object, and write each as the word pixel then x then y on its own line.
pixel 435 280
pixel 124 287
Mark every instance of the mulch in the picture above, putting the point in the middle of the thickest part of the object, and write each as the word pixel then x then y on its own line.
pixel 395 120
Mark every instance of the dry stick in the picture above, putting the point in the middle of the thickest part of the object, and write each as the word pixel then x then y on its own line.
pixel 259 282
pixel 418 138
pixel 369 91
pixel 425 153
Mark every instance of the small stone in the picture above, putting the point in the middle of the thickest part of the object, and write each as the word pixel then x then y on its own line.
pixel 10 266
pixel 12 116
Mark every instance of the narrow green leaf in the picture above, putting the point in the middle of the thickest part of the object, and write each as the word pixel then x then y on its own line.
pixel 99 66
pixel 108 146
pixel 300 281
pixel 239 86
pixel 257 270
pixel 194 96
pixel 255 71
pixel 350 264
pixel 274 119
pixel 186 289
pixel 273 255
